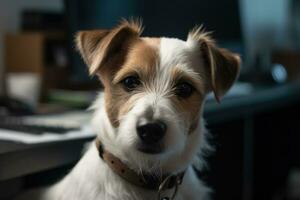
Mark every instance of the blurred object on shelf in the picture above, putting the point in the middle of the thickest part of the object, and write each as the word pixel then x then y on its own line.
pixel 279 73
pixel 290 59
pixel 15 107
pixel 265 72
pixel 71 98
pixel 25 87
pixel 276 67
pixel 295 22
pixel 24 52
pixel 40 53
pixel 42 20
pixel 52 108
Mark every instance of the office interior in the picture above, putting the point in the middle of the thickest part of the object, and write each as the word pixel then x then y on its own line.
pixel 45 87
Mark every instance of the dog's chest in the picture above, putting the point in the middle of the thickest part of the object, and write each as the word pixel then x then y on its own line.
pixel 92 179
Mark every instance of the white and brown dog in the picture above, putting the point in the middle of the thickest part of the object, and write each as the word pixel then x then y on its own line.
pixel 148 119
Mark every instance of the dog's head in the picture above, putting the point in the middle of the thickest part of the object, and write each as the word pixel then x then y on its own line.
pixel 154 89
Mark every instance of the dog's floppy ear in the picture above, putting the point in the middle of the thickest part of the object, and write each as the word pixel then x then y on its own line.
pixel 88 42
pixel 98 46
pixel 222 65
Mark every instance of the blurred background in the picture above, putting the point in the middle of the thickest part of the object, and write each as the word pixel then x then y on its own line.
pixel 45 89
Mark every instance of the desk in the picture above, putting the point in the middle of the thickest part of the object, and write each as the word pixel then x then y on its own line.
pixel 262 100
pixel 17 160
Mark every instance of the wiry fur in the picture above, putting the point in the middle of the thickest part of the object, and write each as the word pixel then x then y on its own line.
pixel 198 33
pixel 160 63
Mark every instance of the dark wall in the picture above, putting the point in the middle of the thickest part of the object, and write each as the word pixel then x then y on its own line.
pixel 161 18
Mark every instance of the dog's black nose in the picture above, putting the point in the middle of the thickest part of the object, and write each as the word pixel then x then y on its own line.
pixel 151 132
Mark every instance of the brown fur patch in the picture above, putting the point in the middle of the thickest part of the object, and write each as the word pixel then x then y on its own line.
pixel 189 107
pixel 223 65
pixel 141 60
pixel 194 79
pixel 97 47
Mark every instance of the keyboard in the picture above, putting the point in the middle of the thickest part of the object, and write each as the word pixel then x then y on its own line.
pixel 21 125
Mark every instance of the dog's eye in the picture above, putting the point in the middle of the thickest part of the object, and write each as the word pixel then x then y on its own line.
pixel 131 82
pixel 184 90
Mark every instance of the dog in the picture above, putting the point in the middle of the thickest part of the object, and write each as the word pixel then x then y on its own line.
pixel 150 131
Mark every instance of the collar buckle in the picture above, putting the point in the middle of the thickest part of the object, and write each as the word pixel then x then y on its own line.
pixel 168 183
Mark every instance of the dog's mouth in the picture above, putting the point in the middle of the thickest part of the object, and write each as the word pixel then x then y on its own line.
pixel 150 149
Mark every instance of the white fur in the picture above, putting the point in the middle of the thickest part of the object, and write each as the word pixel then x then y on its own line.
pixel 92 179
pixel 183 55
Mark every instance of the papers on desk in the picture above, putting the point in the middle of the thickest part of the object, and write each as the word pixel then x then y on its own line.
pixel 27 138
pixel 67 119
pixel 79 120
